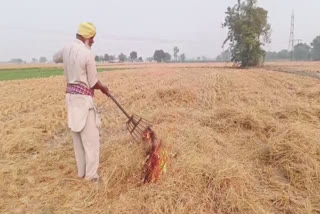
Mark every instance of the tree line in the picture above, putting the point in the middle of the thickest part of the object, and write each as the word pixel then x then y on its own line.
pixel 34 60
pixel 301 52
pixel 133 57
pixel 158 56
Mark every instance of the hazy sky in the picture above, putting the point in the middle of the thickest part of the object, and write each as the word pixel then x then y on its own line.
pixel 34 28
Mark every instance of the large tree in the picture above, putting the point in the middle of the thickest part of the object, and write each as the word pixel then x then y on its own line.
pixel 248 31
pixel 159 55
pixel 133 55
pixel 315 52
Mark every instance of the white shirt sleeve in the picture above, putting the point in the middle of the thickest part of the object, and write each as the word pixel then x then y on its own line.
pixel 58 57
pixel 92 73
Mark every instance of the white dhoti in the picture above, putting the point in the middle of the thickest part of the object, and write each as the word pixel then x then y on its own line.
pixel 84 124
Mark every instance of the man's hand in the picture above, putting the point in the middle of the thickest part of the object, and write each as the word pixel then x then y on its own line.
pixel 103 88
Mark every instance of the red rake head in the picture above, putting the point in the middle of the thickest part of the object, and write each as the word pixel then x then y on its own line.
pixel 137 127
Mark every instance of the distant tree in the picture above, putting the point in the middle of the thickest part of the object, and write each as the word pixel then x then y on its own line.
pixel 101 58
pixel 106 57
pixel 149 59
pixel 183 57
pixel 281 55
pixel 175 53
pixel 97 58
pixel 34 60
pixel 133 55
pixel 122 57
pixel 159 55
pixel 302 52
pixel 167 57
pixel 284 54
pixel 18 60
pixel 140 59
pixel 315 52
pixel 43 59
pixel 248 31
pixel 204 58
pixel 225 56
pixel 111 58
pixel 198 58
pixel 271 56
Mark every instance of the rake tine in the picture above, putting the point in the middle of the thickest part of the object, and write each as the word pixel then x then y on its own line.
pixel 136 125
pixel 143 124
pixel 146 121
pixel 138 134
pixel 137 128
pixel 133 127
pixel 130 125
pixel 131 130
pixel 136 137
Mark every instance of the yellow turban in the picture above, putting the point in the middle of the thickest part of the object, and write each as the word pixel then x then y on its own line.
pixel 87 30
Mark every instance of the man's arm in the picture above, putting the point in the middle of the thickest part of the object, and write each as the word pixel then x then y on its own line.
pixel 92 74
pixel 58 57
pixel 103 88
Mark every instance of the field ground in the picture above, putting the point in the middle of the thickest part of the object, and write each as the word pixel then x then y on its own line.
pixel 239 141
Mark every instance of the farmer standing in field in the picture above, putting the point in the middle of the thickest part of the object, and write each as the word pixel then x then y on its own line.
pixel 81 75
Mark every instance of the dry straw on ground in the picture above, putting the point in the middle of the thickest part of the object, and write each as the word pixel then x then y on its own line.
pixel 239 141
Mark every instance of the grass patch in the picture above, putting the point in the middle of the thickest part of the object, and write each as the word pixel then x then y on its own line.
pixel 29 73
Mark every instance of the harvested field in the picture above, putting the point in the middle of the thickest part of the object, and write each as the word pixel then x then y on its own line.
pixel 297 66
pixel 239 141
pixel 309 69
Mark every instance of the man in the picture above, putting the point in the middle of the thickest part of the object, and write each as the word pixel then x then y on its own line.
pixel 81 75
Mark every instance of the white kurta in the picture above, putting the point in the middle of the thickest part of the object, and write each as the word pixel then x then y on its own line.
pixel 83 120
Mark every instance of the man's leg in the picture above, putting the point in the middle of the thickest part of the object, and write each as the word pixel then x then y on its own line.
pixel 91 143
pixel 79 153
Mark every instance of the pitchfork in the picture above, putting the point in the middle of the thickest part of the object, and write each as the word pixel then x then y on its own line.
pixel 136 125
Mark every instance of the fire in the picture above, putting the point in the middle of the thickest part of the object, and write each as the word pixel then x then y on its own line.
pixel 157 157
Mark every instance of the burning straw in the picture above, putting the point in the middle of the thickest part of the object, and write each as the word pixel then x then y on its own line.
pixel 157 157
pixel 140 130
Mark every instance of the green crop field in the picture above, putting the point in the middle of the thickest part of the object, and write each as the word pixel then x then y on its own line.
pixel 29 73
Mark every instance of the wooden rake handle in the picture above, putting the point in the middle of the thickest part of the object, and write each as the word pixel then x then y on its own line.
pixel 118 104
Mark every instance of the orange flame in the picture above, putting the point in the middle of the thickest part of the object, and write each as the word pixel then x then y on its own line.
pixel 156 158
